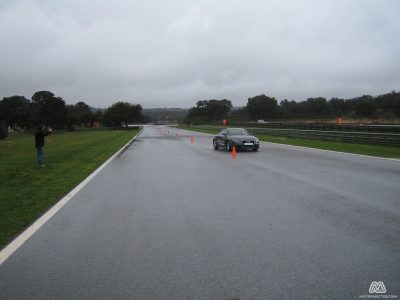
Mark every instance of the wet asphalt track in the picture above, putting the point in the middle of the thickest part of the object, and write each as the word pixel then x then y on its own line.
pixel 171 219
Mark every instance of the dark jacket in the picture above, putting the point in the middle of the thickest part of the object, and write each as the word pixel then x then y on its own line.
pixel 39 138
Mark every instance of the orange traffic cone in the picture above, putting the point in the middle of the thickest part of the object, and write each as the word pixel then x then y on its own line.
pixel 192 140
pixel 234 152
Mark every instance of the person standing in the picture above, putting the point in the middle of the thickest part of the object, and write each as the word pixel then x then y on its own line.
pixel 40 133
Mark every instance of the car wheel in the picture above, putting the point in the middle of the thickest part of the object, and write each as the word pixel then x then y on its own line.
pixel 228 146
pixel 215 145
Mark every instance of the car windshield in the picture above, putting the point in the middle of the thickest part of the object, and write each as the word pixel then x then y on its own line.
pixel 237 131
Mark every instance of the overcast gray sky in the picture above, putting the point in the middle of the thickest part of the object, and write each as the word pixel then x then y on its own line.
pixel 173 53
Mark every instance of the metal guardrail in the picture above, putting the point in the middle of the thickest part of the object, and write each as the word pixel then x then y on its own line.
pixel 316 126
pixel 390 139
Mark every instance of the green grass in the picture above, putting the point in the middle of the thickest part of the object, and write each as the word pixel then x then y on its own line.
pixel 26 191
pixel 364 149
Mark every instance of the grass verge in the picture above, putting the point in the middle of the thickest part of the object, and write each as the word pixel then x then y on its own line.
pixel 364 149
pixel 26 191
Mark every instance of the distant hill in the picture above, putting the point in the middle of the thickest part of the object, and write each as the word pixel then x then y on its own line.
pixel 165 114
pixel 95 109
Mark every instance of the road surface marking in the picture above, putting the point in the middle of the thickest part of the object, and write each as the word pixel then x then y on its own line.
pixel 24 236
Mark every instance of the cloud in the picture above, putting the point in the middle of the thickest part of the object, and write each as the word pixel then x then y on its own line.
pixel 174 53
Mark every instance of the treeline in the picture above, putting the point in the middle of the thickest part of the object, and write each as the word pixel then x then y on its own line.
pixel 165 114
pixel 209 110
pixel 18 112
pixel 263 107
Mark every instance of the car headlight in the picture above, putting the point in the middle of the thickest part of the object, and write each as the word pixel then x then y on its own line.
pixel 256 141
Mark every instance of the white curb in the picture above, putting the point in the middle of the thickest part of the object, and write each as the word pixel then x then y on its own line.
pixel 24 236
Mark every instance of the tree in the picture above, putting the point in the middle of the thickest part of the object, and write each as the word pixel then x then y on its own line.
pixel 239 114
pixel 209 110
pixel 3 130
pixel 316 107
pixel 337 107
pixel 97 116
pixel 289 109
pixel 80 113
pixel 389 103
pixel 122 113
pixel 262 107
pixel 15 112
pixel 365 107
pixel 49 110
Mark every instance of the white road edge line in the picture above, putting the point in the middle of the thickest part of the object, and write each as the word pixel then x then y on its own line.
pixel 24 236
pixel 315 149
pixel 333 151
